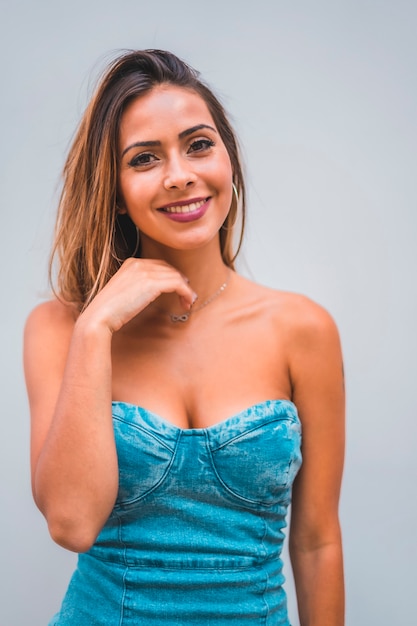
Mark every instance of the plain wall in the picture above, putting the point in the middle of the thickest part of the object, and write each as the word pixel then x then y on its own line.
pixel 323 95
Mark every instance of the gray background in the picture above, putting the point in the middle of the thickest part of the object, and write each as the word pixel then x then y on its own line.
pixel 323 95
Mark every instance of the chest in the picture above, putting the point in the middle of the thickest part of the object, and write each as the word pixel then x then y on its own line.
pixel 190 374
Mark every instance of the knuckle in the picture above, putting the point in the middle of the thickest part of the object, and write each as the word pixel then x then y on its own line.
pixel 129 261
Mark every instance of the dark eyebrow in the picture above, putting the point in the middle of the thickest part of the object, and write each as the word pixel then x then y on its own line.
pixel 184 133
pixel 141 144
pixel 194 129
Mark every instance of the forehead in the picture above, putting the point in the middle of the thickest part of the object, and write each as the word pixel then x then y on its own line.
pixel 164 107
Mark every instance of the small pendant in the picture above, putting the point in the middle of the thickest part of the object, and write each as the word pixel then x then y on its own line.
pixel 179 318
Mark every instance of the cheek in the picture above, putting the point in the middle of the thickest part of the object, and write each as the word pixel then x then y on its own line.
pixel 220 172
pixel 226 171
pixel 133 190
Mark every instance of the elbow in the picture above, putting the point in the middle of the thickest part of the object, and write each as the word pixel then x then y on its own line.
pixel 72 535
pixel 74 521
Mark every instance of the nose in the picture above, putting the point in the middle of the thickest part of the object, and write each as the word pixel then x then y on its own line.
pixel 179 173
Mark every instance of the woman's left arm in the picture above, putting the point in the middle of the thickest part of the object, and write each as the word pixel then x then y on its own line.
pixel 316 370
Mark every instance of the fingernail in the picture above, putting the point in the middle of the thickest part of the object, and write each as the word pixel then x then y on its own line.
pixel 195 296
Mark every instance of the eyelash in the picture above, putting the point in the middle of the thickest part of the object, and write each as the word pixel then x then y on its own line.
pixel 198 145
pixel 139 161
pixel 206 143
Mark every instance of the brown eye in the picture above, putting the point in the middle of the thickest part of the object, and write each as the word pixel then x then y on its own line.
pixel 200 145
pixel 146 158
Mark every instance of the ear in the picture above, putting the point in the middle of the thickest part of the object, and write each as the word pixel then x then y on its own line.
pixel 120 209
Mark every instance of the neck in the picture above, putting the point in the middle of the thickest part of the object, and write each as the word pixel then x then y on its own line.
pixel 203 267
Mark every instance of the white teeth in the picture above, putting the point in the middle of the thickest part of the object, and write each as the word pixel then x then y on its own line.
pixel 185 208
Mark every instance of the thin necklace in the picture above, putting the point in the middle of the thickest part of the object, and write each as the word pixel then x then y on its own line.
pixel 184 317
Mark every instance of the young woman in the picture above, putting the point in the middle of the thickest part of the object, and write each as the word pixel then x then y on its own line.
pixel 167 392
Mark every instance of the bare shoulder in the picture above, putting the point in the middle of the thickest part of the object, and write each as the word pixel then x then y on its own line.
pixel 314 354
pixel 300 317
pixel 310 345
pixel 51 317
pixel 305 318
pixel 47 334
pixel 47 338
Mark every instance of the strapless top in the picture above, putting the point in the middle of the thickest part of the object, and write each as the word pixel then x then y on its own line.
pixel 197 529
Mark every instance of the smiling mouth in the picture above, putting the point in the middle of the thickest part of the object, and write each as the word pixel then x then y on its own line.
pixel 184 208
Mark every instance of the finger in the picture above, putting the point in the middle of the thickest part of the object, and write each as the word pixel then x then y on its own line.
pixel 186 303
pixel 186 295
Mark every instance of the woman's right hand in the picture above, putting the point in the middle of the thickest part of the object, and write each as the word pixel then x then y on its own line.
pixel 133 287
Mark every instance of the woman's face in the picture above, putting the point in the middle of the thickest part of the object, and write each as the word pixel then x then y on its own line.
pixel 175 175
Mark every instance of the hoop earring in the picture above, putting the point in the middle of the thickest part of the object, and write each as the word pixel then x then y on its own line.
pixel 236 194
pixel 233 210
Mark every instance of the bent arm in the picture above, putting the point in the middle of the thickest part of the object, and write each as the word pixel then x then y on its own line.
pixel 73 455
pixel 69 380
pixel 315 537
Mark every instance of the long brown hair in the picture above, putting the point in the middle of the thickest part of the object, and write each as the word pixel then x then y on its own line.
pixel 92 239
